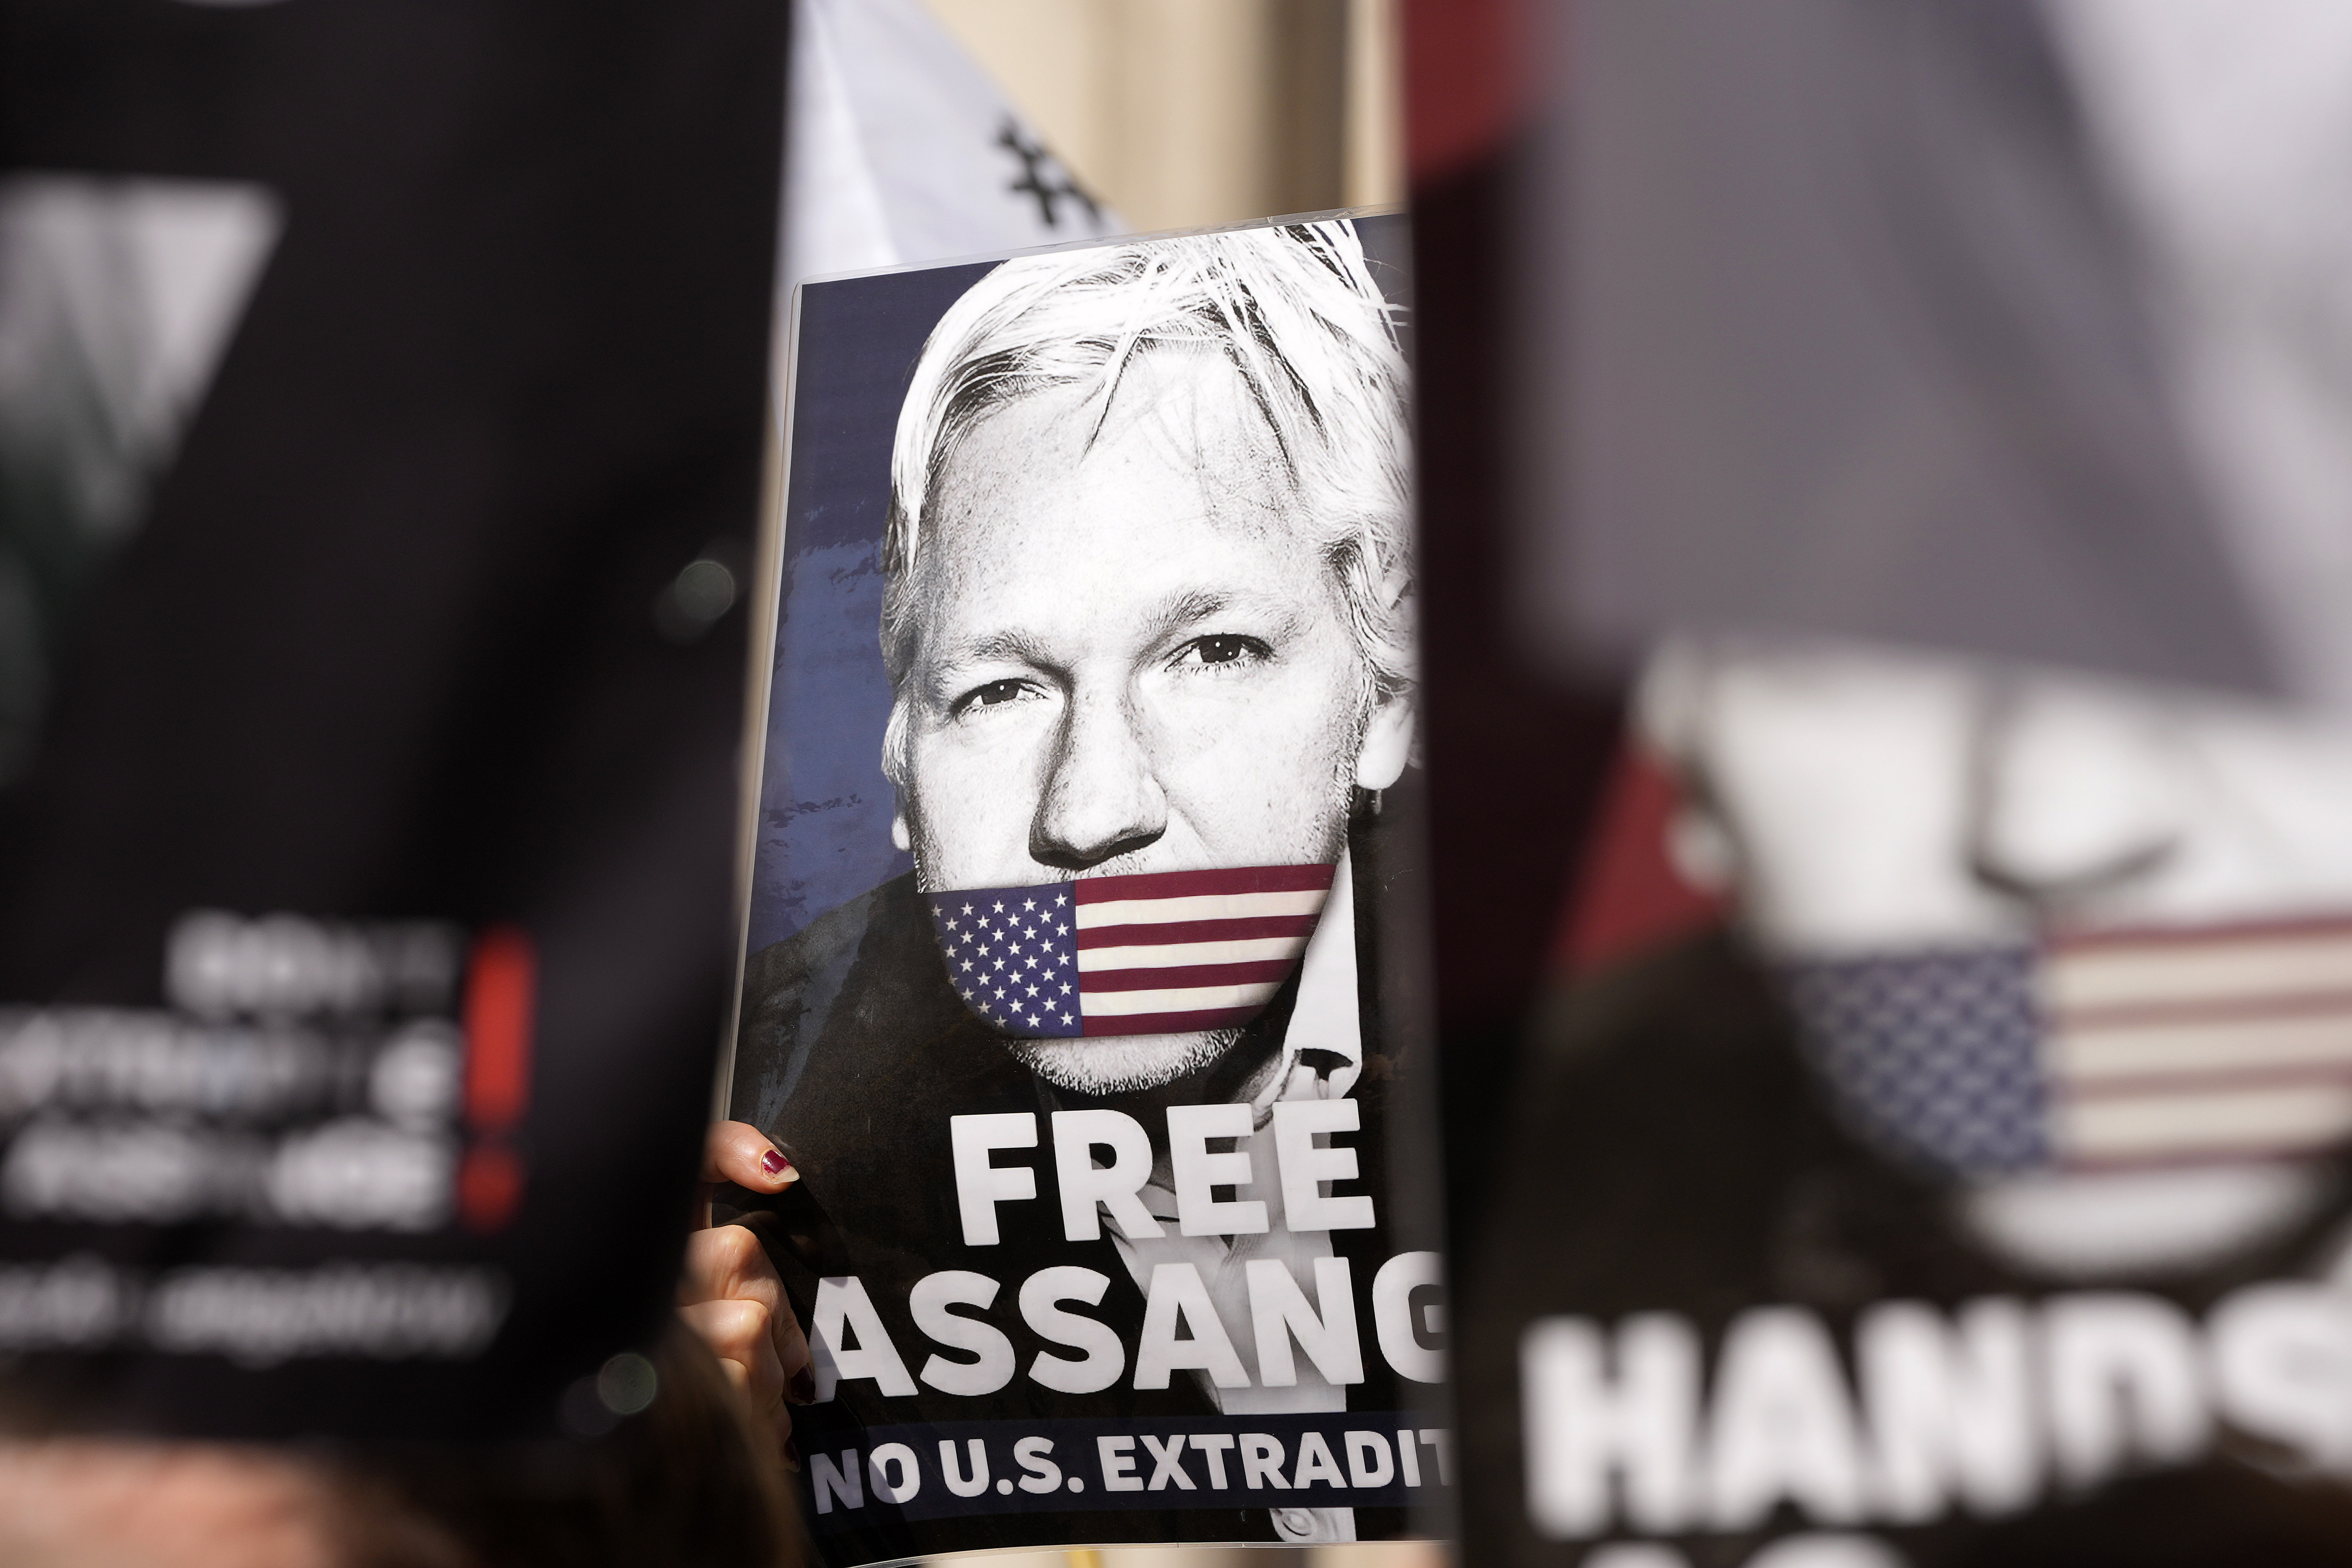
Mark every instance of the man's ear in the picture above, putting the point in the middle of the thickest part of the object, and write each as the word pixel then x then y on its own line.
pixel 1388 742
pixel 898 834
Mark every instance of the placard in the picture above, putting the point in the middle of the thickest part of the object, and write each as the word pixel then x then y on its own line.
pixel 1083 979
pixel 382 391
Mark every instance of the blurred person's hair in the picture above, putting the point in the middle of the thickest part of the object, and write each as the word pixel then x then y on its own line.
pixel 1292 310
pixel 693 1481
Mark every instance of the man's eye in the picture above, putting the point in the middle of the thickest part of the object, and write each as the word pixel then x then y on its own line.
pixel 994 694
pixel 1224 648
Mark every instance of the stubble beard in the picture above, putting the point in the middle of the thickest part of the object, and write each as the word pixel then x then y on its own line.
pixel 1120 1063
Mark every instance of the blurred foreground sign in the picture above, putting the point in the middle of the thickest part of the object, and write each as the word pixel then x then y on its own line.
pixel 1852 343
pixel 381 395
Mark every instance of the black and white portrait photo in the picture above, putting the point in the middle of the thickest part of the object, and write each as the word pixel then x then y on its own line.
pixel 1073 984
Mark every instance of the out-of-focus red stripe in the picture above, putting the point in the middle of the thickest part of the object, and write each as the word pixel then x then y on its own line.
pixel 1190 1023
pixel 501 998
pixel 1470 75
pixel 1173 933
pixel 1196 884
pixel 2223 1010
pixel 2172 938
pixel 1628 895
pixel 1184 977
pixel 2197 1084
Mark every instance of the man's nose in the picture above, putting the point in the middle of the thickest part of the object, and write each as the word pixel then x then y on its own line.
pixel 1100 799
pixel 2078 793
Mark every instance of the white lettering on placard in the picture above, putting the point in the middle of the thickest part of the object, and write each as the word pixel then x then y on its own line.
pixel 892 1473
pixel 1198 1173
pixel 981 1187
pixel 2125 1383
pixel 837 1482
pixel 218 964
pixel 1316 1463
pixel 1178 1297
pixel 1116 1457
pixel 1039 1474
pixel 1586 1422
pixel 1168 1463
pixel 1087 1188
pixel 1950 1407
pixel 1369 1461
pixel 1306 1168
pixel 1826 1549
pixel 1262 1456
pixel 2282 1363
pixel 1042 1295
pixel 1392 1289
pixel 1280 1312
pixel 844 1313
pixel 1977 1407
pixel 953 1472
pixel 1782 1427
pixel 991 1367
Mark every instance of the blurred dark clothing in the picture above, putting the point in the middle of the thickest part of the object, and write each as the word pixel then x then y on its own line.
pixel 692 1482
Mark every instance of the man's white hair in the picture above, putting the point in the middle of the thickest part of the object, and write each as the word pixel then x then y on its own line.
pixel 1294 311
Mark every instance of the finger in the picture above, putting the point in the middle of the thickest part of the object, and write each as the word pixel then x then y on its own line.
pixel 727 1263
pixel 740 1152
pixel 781 1423
pixel 793 1354
pixel 737 1332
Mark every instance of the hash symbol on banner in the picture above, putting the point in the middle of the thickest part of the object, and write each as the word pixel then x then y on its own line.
pixel 1037 172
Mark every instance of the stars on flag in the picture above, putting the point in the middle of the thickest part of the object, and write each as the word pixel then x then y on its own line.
pixel 1009 948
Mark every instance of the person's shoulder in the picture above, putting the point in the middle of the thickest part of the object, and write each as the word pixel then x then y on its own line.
pixel 814 982
pixel 1689 1029
pixel 778 975
pixel 1668 1131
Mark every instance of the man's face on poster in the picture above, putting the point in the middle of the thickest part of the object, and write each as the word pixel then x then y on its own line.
pixel 1132 656
pixel 1874 800
pixel 2037 922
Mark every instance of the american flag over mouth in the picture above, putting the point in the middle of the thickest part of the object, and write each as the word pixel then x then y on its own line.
pixel 2099 1050
pixel 2197 1043
pixel 1160 953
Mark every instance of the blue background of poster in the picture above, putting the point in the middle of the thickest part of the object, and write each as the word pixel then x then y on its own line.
pixel 824 805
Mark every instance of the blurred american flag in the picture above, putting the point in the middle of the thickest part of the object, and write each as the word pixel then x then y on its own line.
pixel 2193 1045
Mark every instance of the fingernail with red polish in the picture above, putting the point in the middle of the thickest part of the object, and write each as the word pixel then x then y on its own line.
pixel 793 1454
pixel 803 1387
pixel 775 1164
